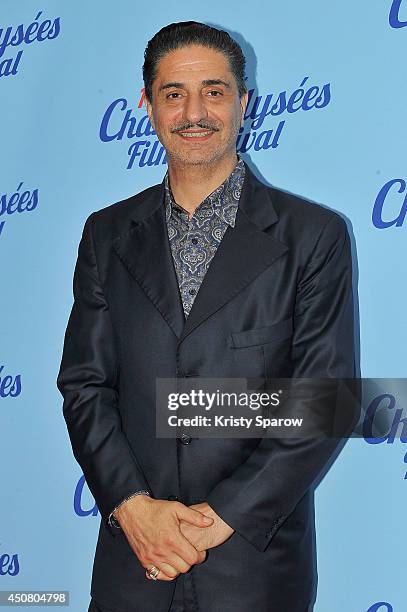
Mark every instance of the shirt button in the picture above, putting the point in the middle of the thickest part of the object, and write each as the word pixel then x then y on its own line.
pixel 185 439
pixel 194 240
pixel 192 291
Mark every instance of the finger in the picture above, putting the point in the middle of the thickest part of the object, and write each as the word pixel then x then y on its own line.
pixel 193 517
pixel 201 556
pixel 186 550
pixel 177 562
pixel 161 574
pixel 167 570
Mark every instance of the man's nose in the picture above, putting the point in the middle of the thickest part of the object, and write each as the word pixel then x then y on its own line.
pixel 195 108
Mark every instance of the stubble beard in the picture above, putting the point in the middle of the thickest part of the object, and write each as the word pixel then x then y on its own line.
pixel 195 158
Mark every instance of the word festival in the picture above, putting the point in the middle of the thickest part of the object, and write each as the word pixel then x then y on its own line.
pixel 120 122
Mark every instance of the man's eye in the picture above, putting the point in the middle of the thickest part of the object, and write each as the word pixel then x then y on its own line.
pixel 172 95
pixel 214 91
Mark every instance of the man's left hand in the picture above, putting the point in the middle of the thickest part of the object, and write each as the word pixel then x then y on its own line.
pixel 208 537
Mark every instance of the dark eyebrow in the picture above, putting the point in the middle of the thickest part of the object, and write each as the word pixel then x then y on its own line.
pixel 205 83
pixel 216 82
pixel 169 85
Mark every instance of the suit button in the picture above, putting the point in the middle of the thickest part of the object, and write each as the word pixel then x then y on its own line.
pixel 185 438
pixel 172 498
pixel 181 374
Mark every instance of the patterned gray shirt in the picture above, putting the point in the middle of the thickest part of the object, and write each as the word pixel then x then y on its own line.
pixel 194 241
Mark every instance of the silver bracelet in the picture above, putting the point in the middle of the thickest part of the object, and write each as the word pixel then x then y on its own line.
pixel 112 520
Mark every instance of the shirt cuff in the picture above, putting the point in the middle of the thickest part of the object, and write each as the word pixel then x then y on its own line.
pixel 112 521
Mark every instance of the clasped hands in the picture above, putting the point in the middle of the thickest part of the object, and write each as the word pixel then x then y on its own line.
pixel 169 535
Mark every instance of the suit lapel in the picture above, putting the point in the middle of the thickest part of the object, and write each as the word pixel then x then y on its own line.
pixel 244 252
pixel 145 251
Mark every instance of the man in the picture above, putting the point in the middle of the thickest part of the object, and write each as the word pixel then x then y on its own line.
pixel 213 274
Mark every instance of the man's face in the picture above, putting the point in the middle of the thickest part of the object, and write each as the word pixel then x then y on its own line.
pixel 195 107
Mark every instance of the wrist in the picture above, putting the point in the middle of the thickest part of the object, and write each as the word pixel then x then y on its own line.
pixel 136 501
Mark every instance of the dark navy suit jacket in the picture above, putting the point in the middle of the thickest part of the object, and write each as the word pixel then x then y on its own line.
pixel 276 302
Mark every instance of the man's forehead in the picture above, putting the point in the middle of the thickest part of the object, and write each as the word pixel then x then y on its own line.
pixel 193 59
pixel 179 70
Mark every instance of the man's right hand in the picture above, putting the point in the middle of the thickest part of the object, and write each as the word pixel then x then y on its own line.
pixel 152 528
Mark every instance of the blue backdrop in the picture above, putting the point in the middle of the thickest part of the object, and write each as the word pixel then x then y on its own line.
pixel 326 120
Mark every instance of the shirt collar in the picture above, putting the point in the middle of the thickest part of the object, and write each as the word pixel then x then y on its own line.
pixel 224 200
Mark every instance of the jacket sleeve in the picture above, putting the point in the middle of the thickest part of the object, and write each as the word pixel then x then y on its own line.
pixel 88 382
pixel 111 520
pixel 262 492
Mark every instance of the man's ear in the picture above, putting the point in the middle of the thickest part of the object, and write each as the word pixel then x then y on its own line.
pixel 243 104
pixel 149 110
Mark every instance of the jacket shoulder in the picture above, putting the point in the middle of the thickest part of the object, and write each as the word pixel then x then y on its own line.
pixel 303 225
pixel 303 214
pixel 114 219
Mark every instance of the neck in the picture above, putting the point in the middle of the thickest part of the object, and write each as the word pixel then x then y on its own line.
pixel 192 183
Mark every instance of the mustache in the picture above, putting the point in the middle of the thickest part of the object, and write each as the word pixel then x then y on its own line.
pixel 205 125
